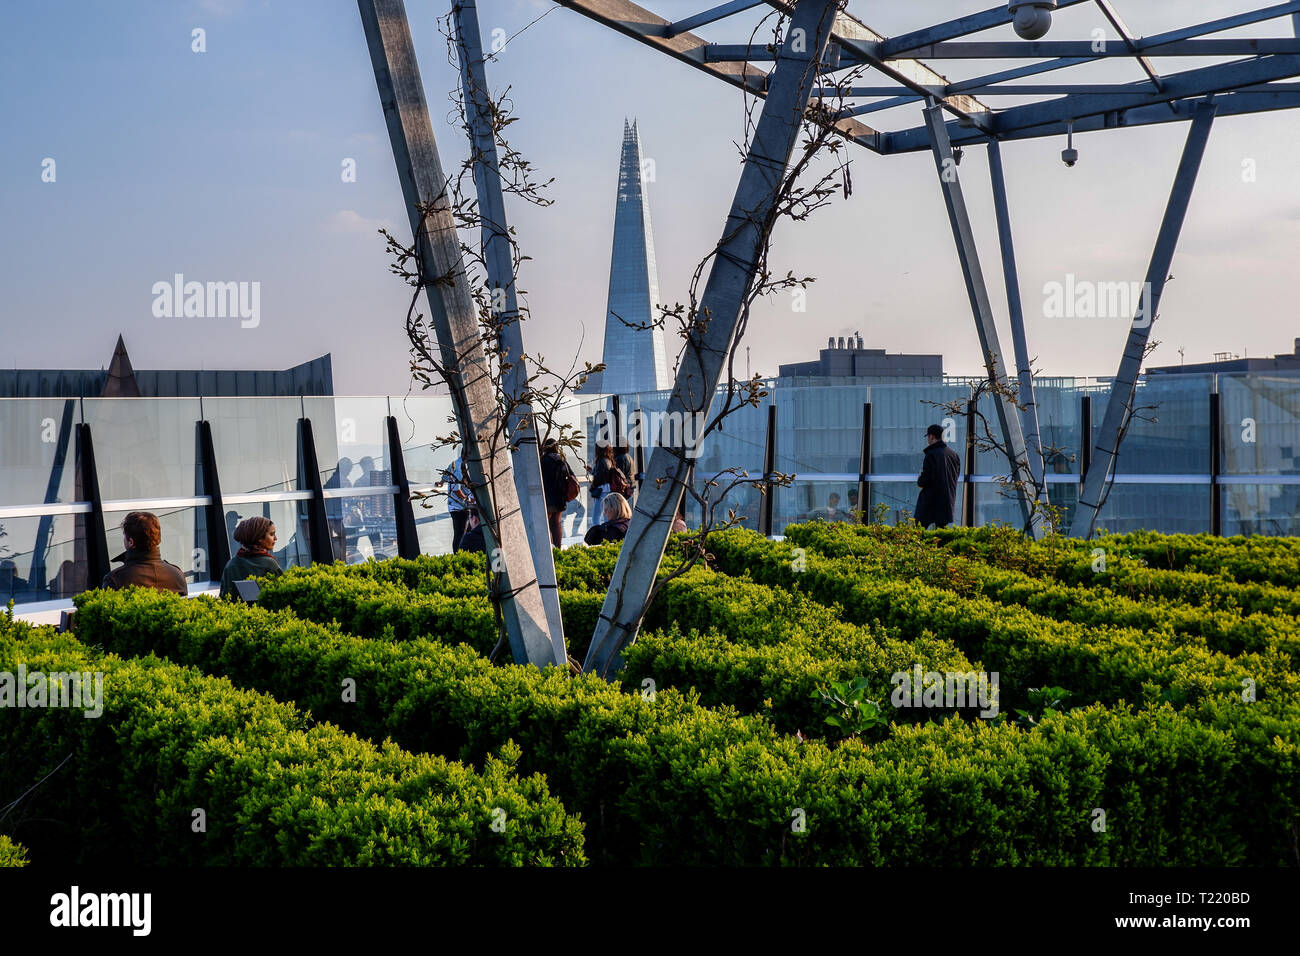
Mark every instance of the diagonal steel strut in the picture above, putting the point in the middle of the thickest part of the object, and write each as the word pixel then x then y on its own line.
pixel 455 322
pixel 499 258
pixel 731 276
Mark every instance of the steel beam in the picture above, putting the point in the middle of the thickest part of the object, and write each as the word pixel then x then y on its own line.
pixel 709 16
pixel 1054 113
pixel 854 37
pixel 454 320
pixel 1008 417
pixel 731 276
pixel 1042 49
pixel 499 259
pixel 905 43
pixel 1122 390
pixel 1011 278
pixel 650 29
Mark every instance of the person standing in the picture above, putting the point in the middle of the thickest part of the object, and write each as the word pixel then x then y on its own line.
pixel 555 485
pixel 625 463
pixel 142 563
pixel 938 481
pixel 257 537
pixel 457 501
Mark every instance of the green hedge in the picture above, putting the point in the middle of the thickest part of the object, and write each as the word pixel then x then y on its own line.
pixel 11 853
pixel 1127 574
pixel 769 651
pixel 369 606
pixel 668 781
pixel 1243 558
pixel 1106 664
pixel 275 789
pixel 1223 630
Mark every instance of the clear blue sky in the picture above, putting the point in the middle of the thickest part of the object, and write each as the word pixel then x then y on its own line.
pixel 225 165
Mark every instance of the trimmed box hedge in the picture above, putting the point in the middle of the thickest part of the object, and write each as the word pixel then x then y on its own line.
pixel 273 788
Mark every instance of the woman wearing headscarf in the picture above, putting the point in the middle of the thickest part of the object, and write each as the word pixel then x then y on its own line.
pixel 256 535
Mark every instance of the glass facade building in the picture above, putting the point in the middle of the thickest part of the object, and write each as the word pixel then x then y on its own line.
pixel 1206 450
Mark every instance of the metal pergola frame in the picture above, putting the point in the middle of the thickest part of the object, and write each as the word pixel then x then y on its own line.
pixel 955 116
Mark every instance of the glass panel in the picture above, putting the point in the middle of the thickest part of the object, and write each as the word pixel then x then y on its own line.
pixel 293 541
pixel 182 531
pixel 421 419
pixel 1261 509
pixel 144 447
pixel 256 443
pixel 38 450
pixel 1170 434
pixel 352 451
pixel 1172 509
pixel 41 559
pixel 1261 425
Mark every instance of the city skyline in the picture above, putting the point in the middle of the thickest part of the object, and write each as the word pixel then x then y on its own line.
pixel 246 182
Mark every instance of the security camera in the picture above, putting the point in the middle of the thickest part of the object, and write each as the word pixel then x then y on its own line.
pixel 1031 18
pixel 1069 155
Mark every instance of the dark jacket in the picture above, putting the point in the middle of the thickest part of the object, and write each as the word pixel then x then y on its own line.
pixel 938 483
pixel 146 569
pixel 615 530
pixel 244 566
pixel 555 476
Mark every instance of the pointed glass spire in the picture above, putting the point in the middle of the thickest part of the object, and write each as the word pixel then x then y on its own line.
pixel 634 355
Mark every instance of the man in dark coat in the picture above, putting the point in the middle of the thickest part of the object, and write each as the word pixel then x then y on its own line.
pixel 555 479
pixel 142 565
pixel 938 481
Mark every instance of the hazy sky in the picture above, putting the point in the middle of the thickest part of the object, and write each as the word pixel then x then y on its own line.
pixel 226 166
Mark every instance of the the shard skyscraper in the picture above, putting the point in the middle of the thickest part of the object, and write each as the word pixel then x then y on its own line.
pixel 634 354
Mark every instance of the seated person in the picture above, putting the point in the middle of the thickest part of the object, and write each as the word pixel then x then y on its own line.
pixel 142 564
pixel 257 535
pixel 832 510
pixel 617 513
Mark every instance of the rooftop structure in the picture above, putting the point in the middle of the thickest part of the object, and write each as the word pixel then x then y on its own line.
pixel 121 380
pixel 851 359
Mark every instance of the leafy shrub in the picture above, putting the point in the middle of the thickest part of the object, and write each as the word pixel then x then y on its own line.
pixel 275 790
pixel 669 781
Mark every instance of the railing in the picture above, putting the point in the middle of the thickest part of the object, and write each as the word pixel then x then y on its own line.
pixel 1224 456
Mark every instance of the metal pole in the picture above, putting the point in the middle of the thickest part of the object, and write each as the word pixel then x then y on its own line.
pixel 769 467
pixel 1123 389
pixel 97 562
pixel 968 254
pixel 1216 465
pixel 318 526
pixel 968 486
pixel 731 275
pixel 1011 278
pixel 864 465
pixel 215 511
pixel 1085 440
pixel 499 258
pixel 408 541
pixel 454 320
